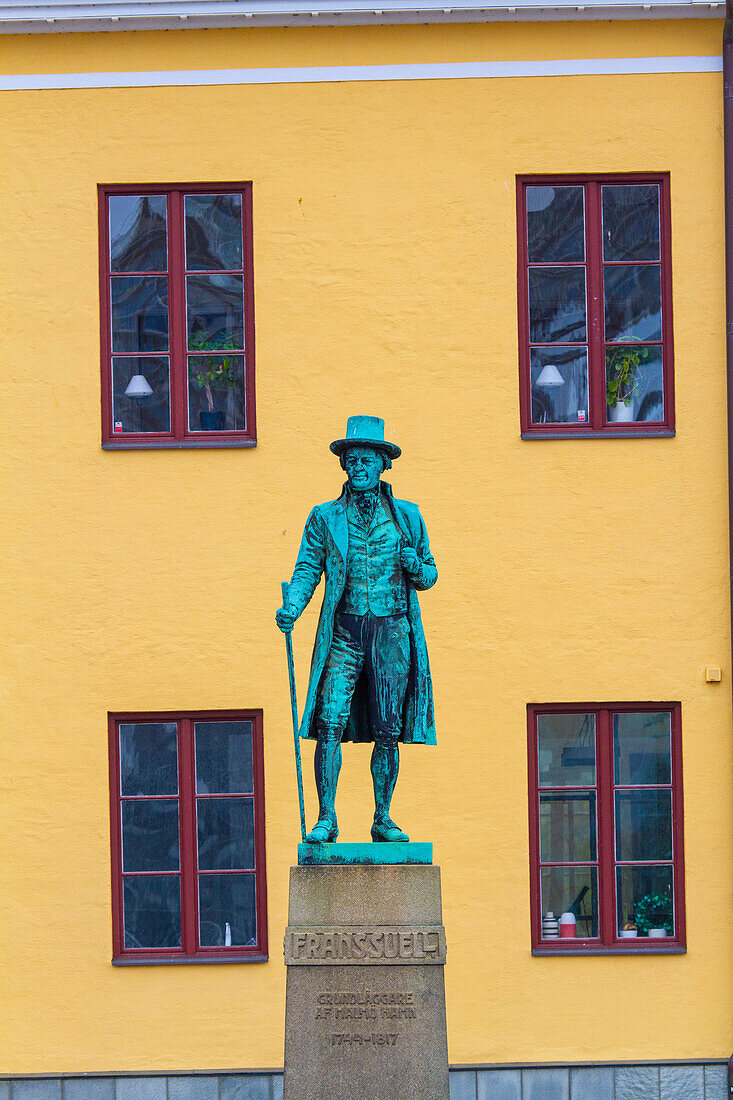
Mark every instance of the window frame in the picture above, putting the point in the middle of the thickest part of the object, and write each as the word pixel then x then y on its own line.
pixel 608 942
pixel 189 951
pixel 179 436
pixel 598 426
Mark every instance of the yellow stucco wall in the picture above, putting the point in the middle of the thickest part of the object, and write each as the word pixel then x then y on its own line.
pixel 385 283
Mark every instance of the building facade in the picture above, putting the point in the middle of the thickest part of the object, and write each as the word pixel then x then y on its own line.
pixel 225 230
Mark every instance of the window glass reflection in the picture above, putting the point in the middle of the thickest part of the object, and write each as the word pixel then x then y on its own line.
pixel 216 394
pixel 223 757
pixel 642 748
pixel 567 749
pixel 213 232
pixel 139 313
pixel 568 827
pixel 215 310
pixel 141 394
pixel 632 297
pixel 150 835
pixel 634 383
pixel 643 824
pixel 152 911
pixel 557 305
pixel 644 900
pixel 137 233
pixel 559 381
pixel 226 833
pixel 227 912
pixel 555 224
pixel 148 758
pixel 572 890
pixel 630 221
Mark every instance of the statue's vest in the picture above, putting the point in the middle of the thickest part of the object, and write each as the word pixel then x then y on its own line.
pixel 375 582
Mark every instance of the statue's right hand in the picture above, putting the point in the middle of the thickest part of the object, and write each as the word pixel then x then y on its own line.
pixel 285 618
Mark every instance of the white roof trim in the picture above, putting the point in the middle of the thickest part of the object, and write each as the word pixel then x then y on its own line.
pixel 462 70
pixel 318 74
pixel 19 16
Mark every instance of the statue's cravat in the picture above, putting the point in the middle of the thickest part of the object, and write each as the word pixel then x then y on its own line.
pixel 366 502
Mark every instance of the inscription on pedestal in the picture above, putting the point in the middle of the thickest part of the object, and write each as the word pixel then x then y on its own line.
pixel 364 945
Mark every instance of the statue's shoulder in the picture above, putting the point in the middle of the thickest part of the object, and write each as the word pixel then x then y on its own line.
pixel 408 507
pixel 323 511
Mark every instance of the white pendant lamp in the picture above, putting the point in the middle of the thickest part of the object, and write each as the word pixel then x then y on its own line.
pixel 550 376
pixel 138 386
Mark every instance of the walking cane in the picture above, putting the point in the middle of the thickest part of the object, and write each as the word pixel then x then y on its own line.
pixel 294 704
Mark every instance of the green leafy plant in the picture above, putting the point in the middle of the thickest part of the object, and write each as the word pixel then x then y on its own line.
pixel 653 911
pixel 211 370
pixel 622 374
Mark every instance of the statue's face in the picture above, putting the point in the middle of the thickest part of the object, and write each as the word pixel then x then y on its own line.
pixel 363 467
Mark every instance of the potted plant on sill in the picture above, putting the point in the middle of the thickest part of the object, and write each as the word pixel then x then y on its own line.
pixel 653 915
pixel 211 370
pixel 623 382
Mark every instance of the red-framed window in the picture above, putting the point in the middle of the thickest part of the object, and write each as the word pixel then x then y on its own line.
pixel 595 305
pixel 605 819
pixel 188 837
pixel 177 315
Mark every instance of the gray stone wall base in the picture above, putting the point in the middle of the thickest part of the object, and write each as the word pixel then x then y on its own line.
pixel 660 1081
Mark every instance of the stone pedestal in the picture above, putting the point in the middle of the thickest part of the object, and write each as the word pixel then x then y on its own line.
pixel 365 1007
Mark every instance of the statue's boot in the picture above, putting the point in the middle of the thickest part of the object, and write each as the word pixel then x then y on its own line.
pixel 387 831
pixel 385 768
pixel 327 767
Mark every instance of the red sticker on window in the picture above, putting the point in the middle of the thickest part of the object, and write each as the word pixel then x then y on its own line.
pixel 581 414
pixel 118 425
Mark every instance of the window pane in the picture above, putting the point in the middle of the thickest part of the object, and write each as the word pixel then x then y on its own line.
pixel 555 227
pixel 140 411
pixel 642 748
pixel 223 757
pixel 572 890
pixel 226 833
pixel 148 758
pixel 152 911
pixel 216 393
pixel 215 312
pixel 631 222
pixel 568 827
pixel 632 298
pixel 150 835
pixel 567 750
pixel 559 378
pixel 139 313
pixel 643 824
pixel 634 383
pixel 644 898
pixel 557 305
pixel 137 233
pixel 227 914
pixel 213 232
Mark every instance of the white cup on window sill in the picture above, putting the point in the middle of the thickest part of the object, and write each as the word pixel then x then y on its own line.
pixel 628 934
pixel 658 934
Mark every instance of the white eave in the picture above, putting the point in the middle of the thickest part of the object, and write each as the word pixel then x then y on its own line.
pixel 21 17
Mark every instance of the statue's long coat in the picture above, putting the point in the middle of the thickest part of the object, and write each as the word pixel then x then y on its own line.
pixel 323 549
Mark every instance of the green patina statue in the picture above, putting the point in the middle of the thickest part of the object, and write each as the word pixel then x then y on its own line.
pixel 370 677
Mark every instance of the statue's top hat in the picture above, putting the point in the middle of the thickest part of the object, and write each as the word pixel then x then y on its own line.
pixel 365 431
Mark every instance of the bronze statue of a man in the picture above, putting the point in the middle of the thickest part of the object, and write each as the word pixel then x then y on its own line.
pixel 370 677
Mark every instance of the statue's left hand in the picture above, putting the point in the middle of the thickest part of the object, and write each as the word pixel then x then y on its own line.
pixel 409 560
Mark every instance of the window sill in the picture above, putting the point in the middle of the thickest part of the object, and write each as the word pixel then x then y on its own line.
pixel 188 960
pixel 646 433
pixel 179 445
pixel 672 949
